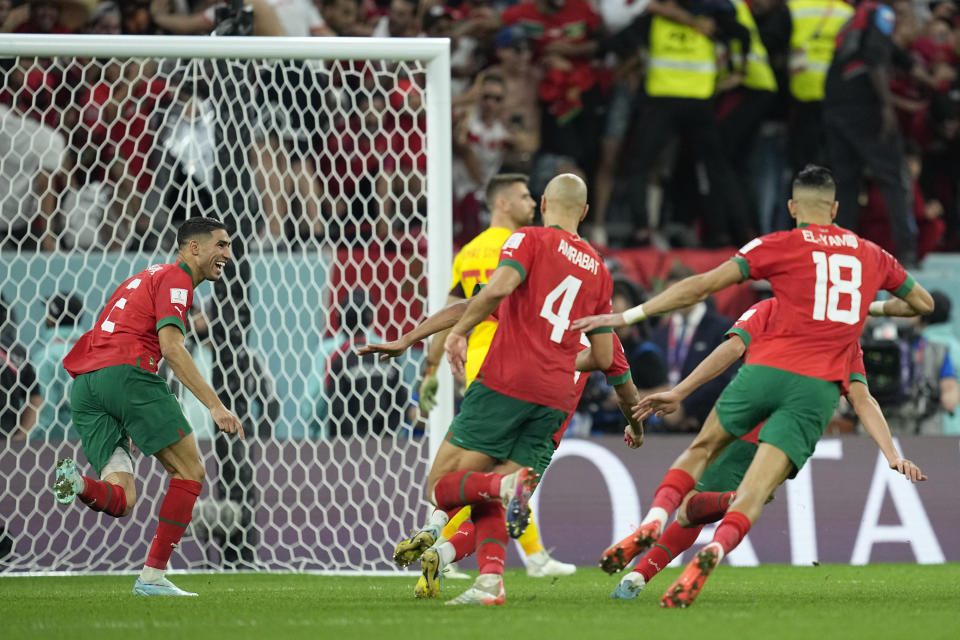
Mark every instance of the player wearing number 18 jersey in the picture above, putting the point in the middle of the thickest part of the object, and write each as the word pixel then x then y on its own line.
pixel 824 278
pixel 117 395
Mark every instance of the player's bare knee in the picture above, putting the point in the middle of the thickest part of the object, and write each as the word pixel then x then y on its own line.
pixel 196 472
pixel 188 471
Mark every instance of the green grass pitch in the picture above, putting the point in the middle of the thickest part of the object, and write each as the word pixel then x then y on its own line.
pixel 771 602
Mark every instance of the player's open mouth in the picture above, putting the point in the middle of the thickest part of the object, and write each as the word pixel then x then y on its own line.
pixel 219 266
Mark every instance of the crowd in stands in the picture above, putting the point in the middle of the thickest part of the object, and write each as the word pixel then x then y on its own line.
pixel 687 144
pixel 686 117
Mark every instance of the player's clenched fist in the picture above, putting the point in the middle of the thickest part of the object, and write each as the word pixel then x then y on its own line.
pixel 456 348
pixel 226 421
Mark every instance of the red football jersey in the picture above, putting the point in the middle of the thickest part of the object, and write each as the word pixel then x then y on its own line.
pixel 617 373
pixel 753 324
pixel 825 278
pixel 533 354
pixel 126 331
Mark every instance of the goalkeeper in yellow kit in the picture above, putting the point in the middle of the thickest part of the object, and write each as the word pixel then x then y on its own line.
pixel 511 207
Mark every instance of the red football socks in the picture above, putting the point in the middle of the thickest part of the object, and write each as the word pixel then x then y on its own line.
pixel 732 530
pixel 491 522
pixel 674 541
pixel 175 514
pixel 466 487
pixel 103 496
pixel 464 540
pixel 676 484
pixel 708 506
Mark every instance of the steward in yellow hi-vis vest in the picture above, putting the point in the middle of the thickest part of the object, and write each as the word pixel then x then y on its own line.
pixel 813 33
pixel 759 75
pixel 816 24
pixel 682 61
pixel 681 82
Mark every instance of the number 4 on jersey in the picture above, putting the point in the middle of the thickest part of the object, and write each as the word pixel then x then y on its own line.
pixel 561 319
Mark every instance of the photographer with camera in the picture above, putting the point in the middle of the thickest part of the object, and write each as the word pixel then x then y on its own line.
pixel 912 376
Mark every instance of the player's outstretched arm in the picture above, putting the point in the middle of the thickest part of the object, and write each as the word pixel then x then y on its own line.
pixel 916 303
pixel 182 364
pixel 440 321
pixel 683 294
pixel 501 284
pixel 868 410
pixel 709 368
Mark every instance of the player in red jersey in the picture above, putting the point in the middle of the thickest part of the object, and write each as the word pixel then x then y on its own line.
pixel 437 552
pixel 824 277
pixel 512 410
pixel 711 497
pixel 117 395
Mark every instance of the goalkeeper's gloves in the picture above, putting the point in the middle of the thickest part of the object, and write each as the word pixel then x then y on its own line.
pixel 428 389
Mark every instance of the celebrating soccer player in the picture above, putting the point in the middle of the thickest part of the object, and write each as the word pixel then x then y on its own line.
pixel 503 436
pixel 511 207
pixel 821 275
pixel 715 490
pixel 117 394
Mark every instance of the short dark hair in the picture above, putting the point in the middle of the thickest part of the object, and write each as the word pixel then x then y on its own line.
pixel 500 182
pixel 197 226
pixel 815 177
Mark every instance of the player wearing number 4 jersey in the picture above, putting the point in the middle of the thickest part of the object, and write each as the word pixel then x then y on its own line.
pixel 117 395
pixel 525 387
pixel 823 277
pixel 511 207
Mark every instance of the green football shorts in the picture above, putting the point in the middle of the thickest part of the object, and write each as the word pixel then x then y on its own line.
pixel 797 409
pixel 505 428
pixel 726 472
pixel 113 403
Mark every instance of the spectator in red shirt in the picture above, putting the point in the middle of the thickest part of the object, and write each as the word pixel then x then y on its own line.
pixel 563 36
pixel 350 163
pixel 115 114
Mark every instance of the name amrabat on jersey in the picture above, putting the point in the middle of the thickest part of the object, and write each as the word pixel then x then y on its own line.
pixel 845 240
pixel 580 258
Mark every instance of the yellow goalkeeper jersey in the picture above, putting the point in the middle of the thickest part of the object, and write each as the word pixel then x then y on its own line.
pixel 474 265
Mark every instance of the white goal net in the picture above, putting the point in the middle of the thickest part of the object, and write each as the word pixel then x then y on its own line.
pixel 328 160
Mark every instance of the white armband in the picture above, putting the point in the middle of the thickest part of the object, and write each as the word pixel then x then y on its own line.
pixel 876 308
pixel 634 314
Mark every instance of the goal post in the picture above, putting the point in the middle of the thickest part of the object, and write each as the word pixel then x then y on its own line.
pixel 329 159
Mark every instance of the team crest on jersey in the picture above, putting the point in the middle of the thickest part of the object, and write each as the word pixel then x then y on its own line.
pixel 178 296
